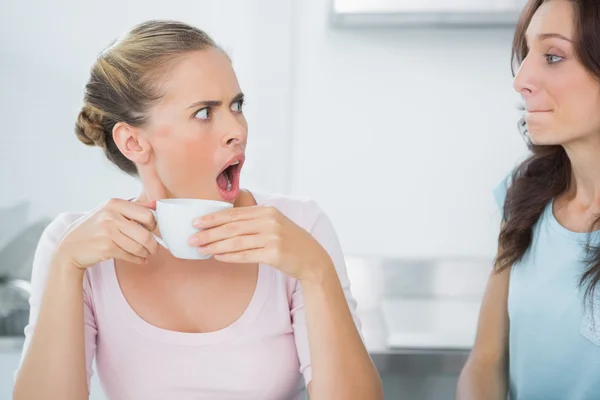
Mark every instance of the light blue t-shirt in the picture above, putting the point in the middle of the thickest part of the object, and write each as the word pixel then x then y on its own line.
pixel 554 349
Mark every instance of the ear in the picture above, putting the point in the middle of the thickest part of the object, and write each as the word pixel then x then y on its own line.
pixel 131 143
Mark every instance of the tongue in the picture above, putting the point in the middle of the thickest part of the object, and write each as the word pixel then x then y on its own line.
pixel 222 181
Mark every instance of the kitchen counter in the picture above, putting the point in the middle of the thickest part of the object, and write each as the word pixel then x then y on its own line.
pixel 435 297
pixel 437 300
pixel 11 343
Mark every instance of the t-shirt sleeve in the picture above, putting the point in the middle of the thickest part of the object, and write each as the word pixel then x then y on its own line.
pixel 325 234
pixel 41 264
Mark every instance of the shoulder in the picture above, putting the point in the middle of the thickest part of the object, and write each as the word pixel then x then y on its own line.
pixel 66 221
pixel 50 238
pixel 60 225
pixel 304 211
pixel 47 244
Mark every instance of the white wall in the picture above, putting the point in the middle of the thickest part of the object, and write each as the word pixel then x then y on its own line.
pixel 401 134
pixel 46 50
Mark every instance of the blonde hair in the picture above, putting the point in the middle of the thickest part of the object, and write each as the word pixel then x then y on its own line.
pixel 123 81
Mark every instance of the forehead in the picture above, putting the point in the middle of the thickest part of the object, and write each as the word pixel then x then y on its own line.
pixel 553 16
pixel 200 75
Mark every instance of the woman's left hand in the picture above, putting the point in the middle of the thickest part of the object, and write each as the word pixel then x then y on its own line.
pixel 260 234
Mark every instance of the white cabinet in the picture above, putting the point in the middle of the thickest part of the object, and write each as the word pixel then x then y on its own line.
pixel 426 12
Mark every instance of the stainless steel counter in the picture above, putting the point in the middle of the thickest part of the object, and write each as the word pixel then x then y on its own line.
pixel 428 373
pixel 374 280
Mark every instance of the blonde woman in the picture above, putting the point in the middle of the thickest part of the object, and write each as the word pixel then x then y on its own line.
pixel 271 305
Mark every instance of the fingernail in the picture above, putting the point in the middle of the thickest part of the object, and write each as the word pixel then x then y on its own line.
pixel 202 250
pixel 193 241
pixel 198 222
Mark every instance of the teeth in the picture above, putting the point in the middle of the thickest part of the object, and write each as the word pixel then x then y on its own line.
pixel 228 182
pixel 236 163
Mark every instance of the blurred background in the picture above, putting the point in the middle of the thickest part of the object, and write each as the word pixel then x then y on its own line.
pixel 397 116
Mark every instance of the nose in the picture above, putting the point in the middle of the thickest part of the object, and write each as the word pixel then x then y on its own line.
pixel 235 133
pixel 526 81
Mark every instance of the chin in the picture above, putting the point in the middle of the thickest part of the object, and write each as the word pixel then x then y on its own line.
pixel 541 142
pixel 550 138
pixel 541 137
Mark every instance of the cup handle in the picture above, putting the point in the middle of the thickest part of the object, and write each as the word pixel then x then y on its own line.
pixel 159 240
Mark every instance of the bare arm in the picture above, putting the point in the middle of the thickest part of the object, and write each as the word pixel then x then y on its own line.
pixel 55 366
pixel 484 376
pixel 341 365
pixel 54 363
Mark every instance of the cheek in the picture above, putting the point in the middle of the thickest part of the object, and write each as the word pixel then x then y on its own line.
pixel 181 158
pixel 192 157
pixel 196 153
pixel 580 107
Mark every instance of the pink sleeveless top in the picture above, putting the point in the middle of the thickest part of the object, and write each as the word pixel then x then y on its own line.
pixel 262 355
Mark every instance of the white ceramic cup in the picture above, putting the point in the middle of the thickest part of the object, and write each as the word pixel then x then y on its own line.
pixel 175 218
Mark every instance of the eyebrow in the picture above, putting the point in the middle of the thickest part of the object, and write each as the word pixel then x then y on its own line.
pixel 544 36
pixel 216 103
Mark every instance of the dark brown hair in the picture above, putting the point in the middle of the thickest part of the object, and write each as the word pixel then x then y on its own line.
pixel 547 173
pixel 122 85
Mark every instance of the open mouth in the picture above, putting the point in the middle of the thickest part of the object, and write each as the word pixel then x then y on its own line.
pixel 228 181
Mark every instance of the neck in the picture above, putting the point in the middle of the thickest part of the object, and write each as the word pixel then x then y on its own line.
pixel 585 166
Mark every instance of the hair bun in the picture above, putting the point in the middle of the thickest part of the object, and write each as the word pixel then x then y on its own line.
pixel 89 129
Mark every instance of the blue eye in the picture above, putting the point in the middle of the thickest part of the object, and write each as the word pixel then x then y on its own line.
pixel 552 58
pixel 237 106
pixel 203 114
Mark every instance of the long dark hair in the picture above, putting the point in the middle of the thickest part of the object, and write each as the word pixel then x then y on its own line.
pixel 547 173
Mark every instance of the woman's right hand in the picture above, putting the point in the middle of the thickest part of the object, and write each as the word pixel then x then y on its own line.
pixel 120 229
